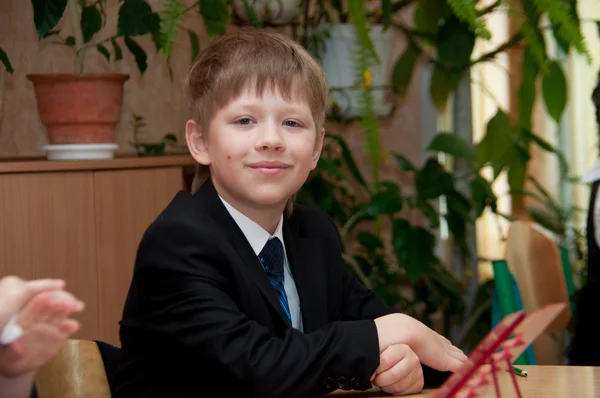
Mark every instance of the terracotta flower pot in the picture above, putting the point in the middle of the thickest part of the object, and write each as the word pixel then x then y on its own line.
pixel 79 108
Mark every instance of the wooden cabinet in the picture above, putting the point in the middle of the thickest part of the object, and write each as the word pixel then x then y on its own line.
pixel 82 221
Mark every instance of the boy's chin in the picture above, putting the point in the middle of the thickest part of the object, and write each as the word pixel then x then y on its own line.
pixel 271 201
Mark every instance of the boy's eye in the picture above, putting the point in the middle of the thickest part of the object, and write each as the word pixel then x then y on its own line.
pixel 292 123
pixel 244 120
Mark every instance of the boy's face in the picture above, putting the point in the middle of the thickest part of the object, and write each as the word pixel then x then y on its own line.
pixel 260 149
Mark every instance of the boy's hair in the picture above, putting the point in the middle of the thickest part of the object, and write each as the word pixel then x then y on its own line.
pixel 596 101
pixel 255 57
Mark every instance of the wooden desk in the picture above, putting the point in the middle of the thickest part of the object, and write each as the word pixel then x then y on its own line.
pixel 542 381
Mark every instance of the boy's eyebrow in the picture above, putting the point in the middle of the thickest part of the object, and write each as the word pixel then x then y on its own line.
pixel 284 108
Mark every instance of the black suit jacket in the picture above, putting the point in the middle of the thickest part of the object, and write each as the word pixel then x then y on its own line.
pixel 201 317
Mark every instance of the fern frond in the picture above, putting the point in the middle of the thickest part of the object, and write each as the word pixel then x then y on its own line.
pixel 358 17
pixel 568 27
pixel 171 19
pixel 365 57
pixel 466 11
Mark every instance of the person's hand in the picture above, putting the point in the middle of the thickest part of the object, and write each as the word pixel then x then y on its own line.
pixel 46 327
pixel 399 371
pixel 15 292
pixel 433 349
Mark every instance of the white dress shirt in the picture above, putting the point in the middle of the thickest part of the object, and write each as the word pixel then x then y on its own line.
pixel 257 236
pixel 589 178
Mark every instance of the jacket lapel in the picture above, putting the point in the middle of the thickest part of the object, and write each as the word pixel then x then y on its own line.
pixel 304 256
pixel 209 198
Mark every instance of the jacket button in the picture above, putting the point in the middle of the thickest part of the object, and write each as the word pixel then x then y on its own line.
pixel 355 383
pixel 342 383
pixel 329 383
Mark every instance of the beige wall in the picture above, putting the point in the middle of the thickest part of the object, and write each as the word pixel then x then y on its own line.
pixel 152 95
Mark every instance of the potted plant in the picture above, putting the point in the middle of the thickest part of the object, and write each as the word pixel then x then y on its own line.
pixel 344 30
pixel 78 108
pixel 267 12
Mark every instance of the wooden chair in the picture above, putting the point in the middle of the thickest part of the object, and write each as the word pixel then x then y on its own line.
pixel 535 261
pixel 76 371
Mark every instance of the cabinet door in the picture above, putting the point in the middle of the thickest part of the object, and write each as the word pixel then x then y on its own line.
pixel 47 231
pixel 126 202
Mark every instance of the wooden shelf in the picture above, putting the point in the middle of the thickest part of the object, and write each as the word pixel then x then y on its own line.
pixel 42 165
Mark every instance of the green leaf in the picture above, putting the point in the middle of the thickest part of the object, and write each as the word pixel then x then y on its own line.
pixel 91 22
pixel 171 18
pixel 329 166
pixel 414 248
pixel 455 42
pixel 497 144
pixel 440 87
pixel 433 181
pixel 467 12
pixel 6 62
pixel 403 70
pixel 386 10
pixel 103 50
pixel 429 212
pixel 369 240
pixel 429 14
pixel 527 90
pixel 348 160
pixel 546 219
pixel 386 201
pixel 138 53
pixel 70 41
pixel 251 14
pixel 545 145
pixel 194 44
pixel 216 16
pixel 404 163
pixel 554 90
pixel 136 18
pixel 458 203
pixel 117 49
pixel 46 14
pixel 452 145
pixel 482 195
pixel 517 170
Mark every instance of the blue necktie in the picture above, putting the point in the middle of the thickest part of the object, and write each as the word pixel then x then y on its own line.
pixel 271 257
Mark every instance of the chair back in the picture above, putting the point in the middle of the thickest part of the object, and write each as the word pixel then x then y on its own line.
pixel 76 371
pixel 533 258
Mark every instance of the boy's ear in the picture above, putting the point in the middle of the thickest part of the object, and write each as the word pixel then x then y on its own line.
pixel 318 148
pixel 196 143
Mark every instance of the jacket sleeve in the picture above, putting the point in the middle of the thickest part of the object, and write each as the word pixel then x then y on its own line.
pixel 184 292
pixel 361 303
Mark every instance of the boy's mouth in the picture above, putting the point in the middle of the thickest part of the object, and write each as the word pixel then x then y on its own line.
pixel 269 168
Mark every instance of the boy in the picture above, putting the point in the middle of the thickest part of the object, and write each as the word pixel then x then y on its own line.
pixel 233 290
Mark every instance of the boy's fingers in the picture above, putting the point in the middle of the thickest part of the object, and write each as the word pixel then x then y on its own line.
pixel 390 357
pixel 69 326
pixel 399 373
pixel 41 285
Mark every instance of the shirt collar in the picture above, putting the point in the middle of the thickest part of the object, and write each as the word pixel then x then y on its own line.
pixel 256 235
pixel 593 174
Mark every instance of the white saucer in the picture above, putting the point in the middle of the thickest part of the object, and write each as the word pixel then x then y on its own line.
pixel 80 151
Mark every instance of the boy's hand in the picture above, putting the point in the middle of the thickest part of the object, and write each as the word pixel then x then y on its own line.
pixel 399 371
pixel 46 327
pixel 15 292
pixel 433 349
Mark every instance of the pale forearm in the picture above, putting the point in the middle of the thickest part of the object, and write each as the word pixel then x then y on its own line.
pixel 17 387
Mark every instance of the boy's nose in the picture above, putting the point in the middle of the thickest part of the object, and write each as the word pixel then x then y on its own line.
pixel 270 139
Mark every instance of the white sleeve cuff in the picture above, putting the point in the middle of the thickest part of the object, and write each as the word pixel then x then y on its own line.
pixel 11 332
